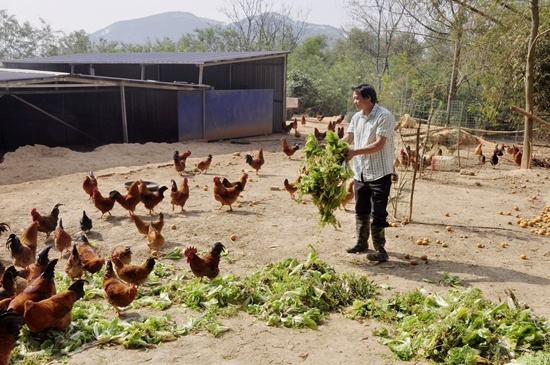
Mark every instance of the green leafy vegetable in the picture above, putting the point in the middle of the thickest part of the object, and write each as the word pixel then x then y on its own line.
pixel 326 171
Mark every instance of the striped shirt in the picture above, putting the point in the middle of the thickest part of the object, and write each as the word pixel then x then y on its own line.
pixel 365 128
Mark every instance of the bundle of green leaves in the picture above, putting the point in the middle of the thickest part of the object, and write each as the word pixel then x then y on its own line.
pixel 326 171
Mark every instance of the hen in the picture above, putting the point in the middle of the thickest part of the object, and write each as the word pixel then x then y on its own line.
pixel 103 204
pixel 8 288
pixel 39 266
pixel 47 223
pixel 116 292
pixel 204 165
pixel 180 160
pixel 41 288
pixel 257 161
pixel 340 132
pixel 207 265
pixel 150 199
pixel 89 183
pixel 319 116
pixel 303 119
pixel 155 239
pixel 517 157
pixel 494 159
pixel 287 149
pixel 55 311
pixel 62 240
pixel 22 253
pixel 130 200
pixel 133 274
pixel 73 266
pixel 349 194
pixel 331 126
pixel 287 127
pixel 10 326
pixel 226 196
pixel 85 223
pixel 292 188
pixel 124 253
pixel 91 261
pixel 320 136
pixel 242 180
pixel 143 227
pixel 179 194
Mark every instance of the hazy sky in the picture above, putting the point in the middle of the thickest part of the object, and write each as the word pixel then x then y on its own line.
pixel 92 15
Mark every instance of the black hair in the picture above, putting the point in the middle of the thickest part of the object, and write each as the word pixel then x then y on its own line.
pixel 366 90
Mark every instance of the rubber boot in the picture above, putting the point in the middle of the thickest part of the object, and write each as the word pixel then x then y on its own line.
pixel 362 229
pixel 378 241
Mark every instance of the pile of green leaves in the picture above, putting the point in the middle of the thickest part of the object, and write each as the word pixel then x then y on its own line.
pixel 459 328
pixel 326 171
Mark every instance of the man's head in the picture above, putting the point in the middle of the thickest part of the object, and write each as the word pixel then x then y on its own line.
pixel 366 91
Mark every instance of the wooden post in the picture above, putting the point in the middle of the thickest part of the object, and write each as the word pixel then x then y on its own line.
pixel 529 115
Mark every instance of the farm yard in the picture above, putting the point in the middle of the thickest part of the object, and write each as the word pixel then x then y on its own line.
pixel 464 225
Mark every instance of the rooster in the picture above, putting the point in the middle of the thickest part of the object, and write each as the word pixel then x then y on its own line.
pixel 179 194
pixel 47 223
pixel 10 327
pixel 4 227
pixel 89 183
pixel 257 161
pixel 22 255
pixel 208 265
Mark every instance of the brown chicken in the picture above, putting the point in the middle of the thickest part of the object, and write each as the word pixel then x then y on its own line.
pixel 479 149
pixel 130 200
pixel 73 266
pixel 116 292
pixel 180 160
pixel 133 274
pixel 22 254
pixel 39 266
pixel 340 119
pixel 226 196
pixel 103 204
pixel 179 194
pixel 257 161
pixel 10 327
pixel 242 180
pixel 292 188
pixel 62 240
pixel 295 124
pixel 124 253
pixel 340 132
pixel 287 127
pixel 55 311
pixel 517 157
pixel 41 288
pixel 208 265
pixel 91 261
pixel 204 165
pixel 319 116
pixel 287 149
pixel 150 199
pixel 349 195
pixel 7 290
pixel 303 119
pixel 89 183
pixel 143 227
pixel 331 126
pixel 47 223
pixel 320 136
pixel 155 239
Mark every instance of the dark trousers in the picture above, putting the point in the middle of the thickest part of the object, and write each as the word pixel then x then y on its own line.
pixel 371 197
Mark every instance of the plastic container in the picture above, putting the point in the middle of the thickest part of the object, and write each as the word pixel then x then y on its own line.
pixel 444 163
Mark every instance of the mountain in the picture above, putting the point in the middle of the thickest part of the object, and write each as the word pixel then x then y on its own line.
pixel 174 24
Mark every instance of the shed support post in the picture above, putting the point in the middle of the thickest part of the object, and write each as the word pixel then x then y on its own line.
pixel 124 119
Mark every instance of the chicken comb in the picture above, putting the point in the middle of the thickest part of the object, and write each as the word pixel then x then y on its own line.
pixel 190 250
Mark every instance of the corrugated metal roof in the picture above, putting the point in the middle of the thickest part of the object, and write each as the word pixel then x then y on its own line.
pixel 195 58
pixel 18 74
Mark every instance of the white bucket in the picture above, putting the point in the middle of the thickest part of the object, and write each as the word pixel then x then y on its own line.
pixel 444 163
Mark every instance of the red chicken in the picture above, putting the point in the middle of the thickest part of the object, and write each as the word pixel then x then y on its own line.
pixel 133 274
pixel 39 266
pixel 287 149
pixel 124 253
pixel 130 200
pixel 73 266
pixel 10 326
pixel 226 196
pixel 208 265
pixel 150 199
pixel 257 161
pixel 55 311
pixel 62 240
pixel 91 261
pixel 179 194
pixel 47 223
pixel 242 180
pixel 143 227
pixel 41 288
pixel 103 204
pixel 180 160
pixel 89 183
pixel 204 165
pixel 23 253
pixel 116 292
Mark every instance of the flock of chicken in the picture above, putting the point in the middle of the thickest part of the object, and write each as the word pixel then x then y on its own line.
pixel 28 292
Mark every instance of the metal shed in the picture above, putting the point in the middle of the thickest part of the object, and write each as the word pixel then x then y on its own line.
pixel 159 97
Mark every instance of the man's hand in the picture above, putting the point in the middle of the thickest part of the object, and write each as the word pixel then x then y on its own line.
pixel 349 153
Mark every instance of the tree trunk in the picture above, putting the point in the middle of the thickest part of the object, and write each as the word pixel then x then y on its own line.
pixel 453 87
pixel 529 99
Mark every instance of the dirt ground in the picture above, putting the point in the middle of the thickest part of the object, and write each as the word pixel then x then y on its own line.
pixel 481 203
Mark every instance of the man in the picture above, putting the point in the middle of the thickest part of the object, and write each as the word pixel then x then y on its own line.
pixel 371 130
